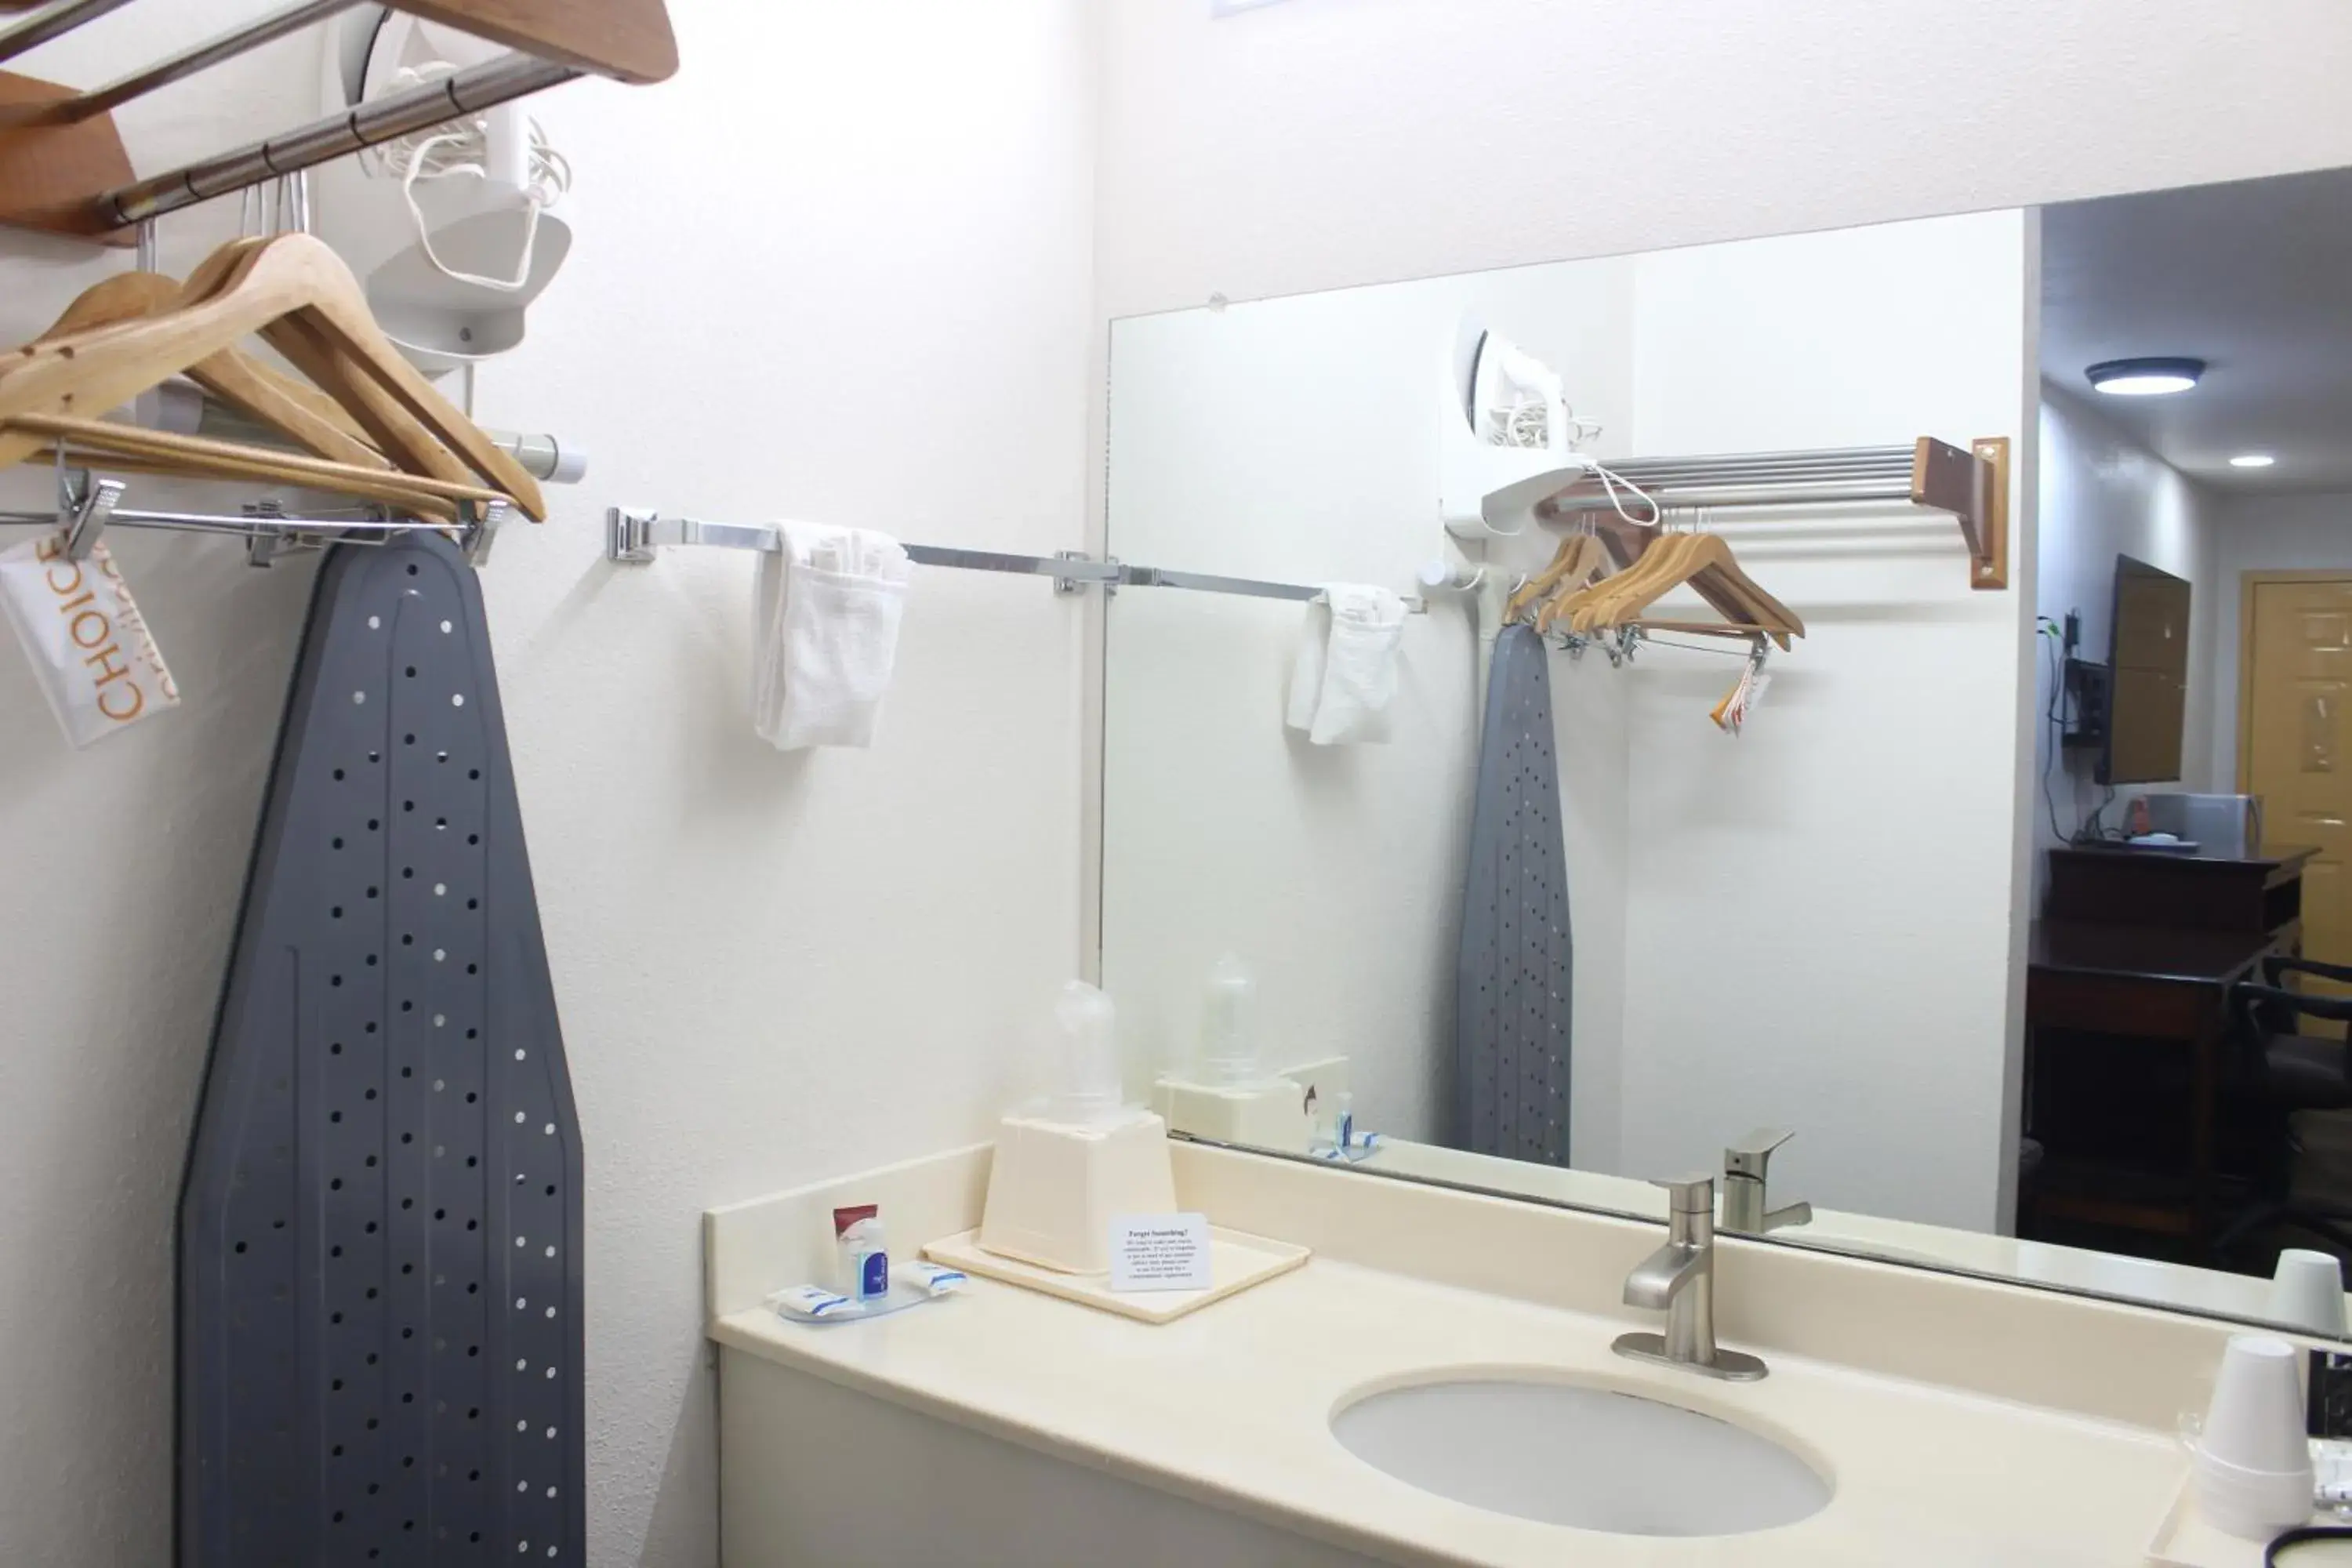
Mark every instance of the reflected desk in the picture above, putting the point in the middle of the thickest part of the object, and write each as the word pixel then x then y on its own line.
pixel 2145 947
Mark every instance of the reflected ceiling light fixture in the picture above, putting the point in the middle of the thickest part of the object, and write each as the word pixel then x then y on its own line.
pixel 2145 378
pixel 2252 460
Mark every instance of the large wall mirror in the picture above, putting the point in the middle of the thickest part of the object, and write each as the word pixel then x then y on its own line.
pixel 1784 708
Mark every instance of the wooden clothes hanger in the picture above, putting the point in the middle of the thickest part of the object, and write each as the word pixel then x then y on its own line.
pixel 309 418
pixel 1705 562
pixel 309 415
pixel 161 451
pixel 1627 541
pixel 1716 568
pixel 386 421
pixel 1589 560
pixel 1607 602
pixel 1570 565
pixel 254 287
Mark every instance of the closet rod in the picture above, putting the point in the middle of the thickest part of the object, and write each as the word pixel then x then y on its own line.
pixel 1846 459
pixel 53 21
pixel 186 63
pixel 258 525
pixel 634 538
pixel 1813 493
pixel 88 506
pixel 468 91
pixel 1970 484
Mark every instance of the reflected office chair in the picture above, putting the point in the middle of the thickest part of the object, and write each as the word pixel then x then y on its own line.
pixel 2284 1071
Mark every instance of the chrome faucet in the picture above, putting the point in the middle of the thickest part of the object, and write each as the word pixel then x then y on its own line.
pixel 1679 1280
pixel 1743 1186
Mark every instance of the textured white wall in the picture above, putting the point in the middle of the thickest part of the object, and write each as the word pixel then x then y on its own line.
pixel 1322 144
pixel 837 268
pixel 2264 534
pixel 2103 495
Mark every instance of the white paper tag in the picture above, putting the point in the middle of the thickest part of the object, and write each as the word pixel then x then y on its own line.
pixel 90 649
pixel 1160 1252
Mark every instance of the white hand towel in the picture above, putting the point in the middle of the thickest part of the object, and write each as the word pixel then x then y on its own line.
pixel 1345 675
pixel 1306 667
pixel 827 635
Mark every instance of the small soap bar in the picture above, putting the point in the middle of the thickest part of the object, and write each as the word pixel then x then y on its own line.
pixel 809 1301
pixel 931 1279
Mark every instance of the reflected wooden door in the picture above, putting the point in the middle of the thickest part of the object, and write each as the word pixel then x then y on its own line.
pixel 2296 740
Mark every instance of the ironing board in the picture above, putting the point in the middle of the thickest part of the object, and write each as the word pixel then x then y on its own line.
pixel 1511 982
pixel 379 1269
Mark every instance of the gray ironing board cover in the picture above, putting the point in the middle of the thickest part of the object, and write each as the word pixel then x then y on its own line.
pixel 1511 982
pixel 379 1267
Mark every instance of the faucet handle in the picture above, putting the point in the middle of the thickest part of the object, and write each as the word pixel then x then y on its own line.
pixel 1750 1155
pixel 1689 1194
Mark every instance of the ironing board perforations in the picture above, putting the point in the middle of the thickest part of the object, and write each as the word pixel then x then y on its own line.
pixel 380 1225
pixel 1513 975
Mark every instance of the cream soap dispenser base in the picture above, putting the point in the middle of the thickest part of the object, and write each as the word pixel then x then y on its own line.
pixel 1055 1187
pixel 1266 1115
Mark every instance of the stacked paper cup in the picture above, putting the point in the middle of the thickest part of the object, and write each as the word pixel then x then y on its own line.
pixel 2307 1292
pixel 2253 1461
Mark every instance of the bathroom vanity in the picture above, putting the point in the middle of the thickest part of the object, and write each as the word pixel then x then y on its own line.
pixel 1437 1385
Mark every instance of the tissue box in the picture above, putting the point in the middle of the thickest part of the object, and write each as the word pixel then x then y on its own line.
pixel 1055 1187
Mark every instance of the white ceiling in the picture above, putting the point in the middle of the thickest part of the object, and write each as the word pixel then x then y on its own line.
pixel 2254 277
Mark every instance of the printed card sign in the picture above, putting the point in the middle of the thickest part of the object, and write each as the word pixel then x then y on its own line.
pixel 1160 1252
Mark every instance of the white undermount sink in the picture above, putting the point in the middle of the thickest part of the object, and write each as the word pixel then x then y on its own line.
pixel 1587 1457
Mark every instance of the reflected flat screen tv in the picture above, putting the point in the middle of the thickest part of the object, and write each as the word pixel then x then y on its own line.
pixel 2148 682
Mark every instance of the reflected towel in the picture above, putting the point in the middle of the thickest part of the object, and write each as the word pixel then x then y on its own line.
pixel 826 635
pixel 1345 674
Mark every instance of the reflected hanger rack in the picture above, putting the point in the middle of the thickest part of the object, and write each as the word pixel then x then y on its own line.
pixel 63 169
pixel 1971 485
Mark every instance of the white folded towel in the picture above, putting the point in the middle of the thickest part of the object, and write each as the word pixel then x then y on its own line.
pixel 1345 675
pixel 826 635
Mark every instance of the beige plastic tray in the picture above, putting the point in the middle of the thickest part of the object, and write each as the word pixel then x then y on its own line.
pixel 1236 1262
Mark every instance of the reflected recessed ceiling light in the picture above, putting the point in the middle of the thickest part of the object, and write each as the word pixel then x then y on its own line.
pixel 2252 460
pixel 2145 377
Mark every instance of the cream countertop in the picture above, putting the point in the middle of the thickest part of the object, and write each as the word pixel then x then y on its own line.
pixel 1231 1407
pixel 1934 1457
